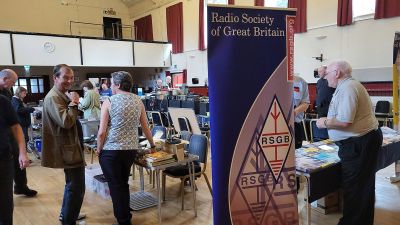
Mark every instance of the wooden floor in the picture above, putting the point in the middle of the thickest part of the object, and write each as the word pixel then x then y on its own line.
pixel 45 208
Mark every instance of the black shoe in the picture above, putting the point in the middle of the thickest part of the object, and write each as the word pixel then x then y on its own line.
pixel 27 192
pixel 80 217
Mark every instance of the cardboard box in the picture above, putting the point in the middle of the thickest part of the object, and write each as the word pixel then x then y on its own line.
pixel 177 149
pixel 330 200
pixel 327 204
pixel 325 210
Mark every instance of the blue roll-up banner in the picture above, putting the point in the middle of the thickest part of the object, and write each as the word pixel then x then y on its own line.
pixel 250 68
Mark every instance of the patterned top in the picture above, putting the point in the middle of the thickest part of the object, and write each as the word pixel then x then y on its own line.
pixel 125 110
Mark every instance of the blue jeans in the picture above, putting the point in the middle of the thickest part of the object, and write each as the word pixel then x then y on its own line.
pixel 116 166
pixel 6 191
pixel 74 192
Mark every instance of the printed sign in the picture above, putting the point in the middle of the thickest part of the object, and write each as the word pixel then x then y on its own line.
pixel 250 67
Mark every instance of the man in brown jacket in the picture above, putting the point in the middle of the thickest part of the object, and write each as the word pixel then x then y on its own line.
pixel 61 147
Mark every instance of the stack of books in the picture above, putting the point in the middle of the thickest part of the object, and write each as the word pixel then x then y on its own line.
pixel 159 158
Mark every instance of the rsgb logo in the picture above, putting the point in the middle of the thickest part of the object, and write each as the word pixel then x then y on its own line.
pixel 275 139
pixel 264 183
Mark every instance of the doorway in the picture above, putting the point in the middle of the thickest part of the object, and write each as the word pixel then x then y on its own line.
pixel 112 28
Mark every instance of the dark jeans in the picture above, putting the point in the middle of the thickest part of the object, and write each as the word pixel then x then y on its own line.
pixel 299 135
pixel 20 180
pixel 6 191
pixel 74 192
pixel 116 166
pixel 358 157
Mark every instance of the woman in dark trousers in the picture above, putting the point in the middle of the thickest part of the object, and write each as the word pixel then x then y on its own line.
pixel 117 141
pixel 24 119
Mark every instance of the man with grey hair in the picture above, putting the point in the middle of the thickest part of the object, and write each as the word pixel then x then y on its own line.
pixel 7 79
pixel 352 125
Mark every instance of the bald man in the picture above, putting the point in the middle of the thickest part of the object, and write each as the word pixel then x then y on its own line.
pixel 9 128
pixel 7 79
pixel 351 123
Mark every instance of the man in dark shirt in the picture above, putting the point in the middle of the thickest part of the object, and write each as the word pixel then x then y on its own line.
pixel 9 122
pixel 324 93
pixel 324 96
pixel 7 80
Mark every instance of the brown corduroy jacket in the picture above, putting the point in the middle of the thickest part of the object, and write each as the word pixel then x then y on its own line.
pixel 60 141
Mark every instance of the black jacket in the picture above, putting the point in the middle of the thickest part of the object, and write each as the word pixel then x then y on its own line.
pixel 324 96
pixel 6 93
pixel 23 113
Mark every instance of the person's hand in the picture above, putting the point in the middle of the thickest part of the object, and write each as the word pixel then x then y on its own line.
pixel 23 160
pixel 152 149
pixel 321 122
pixel 98 152
pixel 73 96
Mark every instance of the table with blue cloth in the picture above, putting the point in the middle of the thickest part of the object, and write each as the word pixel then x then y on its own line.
pixel 319 163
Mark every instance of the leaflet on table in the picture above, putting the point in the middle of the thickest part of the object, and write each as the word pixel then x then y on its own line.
pixel 159 163
pixel 158 156
pixel 316 155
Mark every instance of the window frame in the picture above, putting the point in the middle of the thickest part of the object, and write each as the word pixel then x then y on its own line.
pixel 28 85
pixel 217 2
pixel 266 2
pixel 366 16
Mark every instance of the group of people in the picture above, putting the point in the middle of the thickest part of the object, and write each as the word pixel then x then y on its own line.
pixel 349 121
pixel 160 87
pixel 345 115
pixel 120 117
pixel 91 102
pixel 301 101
